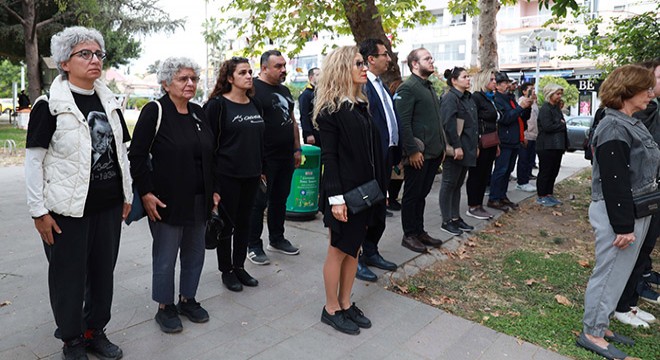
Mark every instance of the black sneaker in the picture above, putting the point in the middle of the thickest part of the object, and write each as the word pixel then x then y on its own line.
pixel 340 322
pixel 231 281
pixel 258 257
pixel 357 316
pixel 283 246
pixel 99 345
pixel 245 278
pixel 168 319
pixel 74 349
pixel 452 228
pixel 463 225
pixel 193 311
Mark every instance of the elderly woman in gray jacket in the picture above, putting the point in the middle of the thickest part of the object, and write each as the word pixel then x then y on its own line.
pixel 79 190
pixel 460 121
pixel 626 164
pixel 550 144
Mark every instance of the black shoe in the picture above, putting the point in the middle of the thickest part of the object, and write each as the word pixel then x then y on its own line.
pixel 426 239
pixel 411 242
pixel 168 319
pixel 100 346
pixel 393 205
pixel 245 278
pixel 363 273
pixel 283 246
pixel 340 322
pixel 357 316
pixel 463 225
pixel 388 213
pixel 497 204
pixel 510 203
pixel 231 281
pixel 451 228
pixel 193 311
pixel 75 349
pixel 532 177
pixel 378 261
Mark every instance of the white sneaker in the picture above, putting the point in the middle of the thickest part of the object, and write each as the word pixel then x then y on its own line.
pixel 526 187
pixel 643 315
pixel 630 318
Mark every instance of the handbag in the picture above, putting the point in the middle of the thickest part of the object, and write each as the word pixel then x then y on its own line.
pixel 364 197
pixel 369 193
pixel 137 208
pixel 647 204
pixel 460 123
pixel 489 140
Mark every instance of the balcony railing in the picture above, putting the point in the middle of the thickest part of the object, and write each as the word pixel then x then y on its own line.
pixel 523 22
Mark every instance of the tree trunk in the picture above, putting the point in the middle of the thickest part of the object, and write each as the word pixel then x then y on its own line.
pixel 365 23
pixel 31 48
pixel 487 34
pixel 474 53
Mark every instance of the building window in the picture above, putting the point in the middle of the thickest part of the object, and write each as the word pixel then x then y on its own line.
pixel 449 51
pixel 458 19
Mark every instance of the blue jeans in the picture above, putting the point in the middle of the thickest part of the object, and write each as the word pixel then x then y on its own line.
pixel 526 160
pixel 499 181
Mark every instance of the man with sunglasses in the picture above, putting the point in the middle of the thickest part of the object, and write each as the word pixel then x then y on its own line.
pixel 423 142
pixel 282 154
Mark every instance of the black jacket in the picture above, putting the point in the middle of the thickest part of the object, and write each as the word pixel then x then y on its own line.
pixel 306 105
pixel 552 129
pixel 508 125
pixel 173 159
pixel 457 105
pixel 486 112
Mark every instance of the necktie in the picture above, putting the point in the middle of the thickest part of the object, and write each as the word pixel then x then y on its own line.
pixel 390 113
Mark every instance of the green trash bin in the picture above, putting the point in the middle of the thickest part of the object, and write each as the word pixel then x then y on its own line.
pixel 303 201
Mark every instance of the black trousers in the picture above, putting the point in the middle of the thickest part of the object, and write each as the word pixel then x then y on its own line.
pixel 629 297
pixel 394 189
pixel 81 266
pixel 479 176
pixel 549 164
pixel 417 184
pixel 237 197
pixel 278 178
pixel 375 232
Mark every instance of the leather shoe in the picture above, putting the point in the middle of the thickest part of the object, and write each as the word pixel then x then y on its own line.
pixel 363 273
pixel 497 204
pixel 510 203
pixel 388 213
pixel 393 205
pixel 245 278
pixel 426 239
pixel 378 261
pixel 411 242
pixel 231 281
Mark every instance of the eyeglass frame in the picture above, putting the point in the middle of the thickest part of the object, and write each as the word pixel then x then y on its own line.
pixel 361 64
pixel 100 55
pixel 186 78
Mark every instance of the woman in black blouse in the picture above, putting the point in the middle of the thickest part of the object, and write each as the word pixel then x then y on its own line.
pixel 550 144
pixel 239 131
pixel 351 157
pixel 177 193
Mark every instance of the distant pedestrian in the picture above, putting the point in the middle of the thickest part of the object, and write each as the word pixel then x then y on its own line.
pixel 551 144
pixel 527 153
pixel 306 104
pixel 23 101
pixel 79 190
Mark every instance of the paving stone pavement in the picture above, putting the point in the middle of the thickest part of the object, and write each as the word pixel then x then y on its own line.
pixel 279 319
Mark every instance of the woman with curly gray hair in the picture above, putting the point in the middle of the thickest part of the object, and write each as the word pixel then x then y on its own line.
pixel 172 166
pixel 79 189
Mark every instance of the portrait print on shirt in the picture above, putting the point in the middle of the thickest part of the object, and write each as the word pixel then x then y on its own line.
pixel 103 164
pixel 282 104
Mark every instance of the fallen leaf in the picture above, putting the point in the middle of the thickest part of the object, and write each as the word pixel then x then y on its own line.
pixel 530 282
pixel 584 263
pixel 485 318
pixel 442 301
pixel 563 300
pixel 557 213
pixel 495 314
pixel 421 287
pixel 553 252
pixel 401 288
pixel 518 262
pixel 513 313
pixel 519 341
pixel 575 332
pixel 497 224
pixel 471 244
pixel 5 303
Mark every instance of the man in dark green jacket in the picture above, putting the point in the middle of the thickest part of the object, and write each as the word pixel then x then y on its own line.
pixel 423 141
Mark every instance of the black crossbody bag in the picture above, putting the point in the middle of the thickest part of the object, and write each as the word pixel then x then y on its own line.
pixel 647 204
pixel 369 193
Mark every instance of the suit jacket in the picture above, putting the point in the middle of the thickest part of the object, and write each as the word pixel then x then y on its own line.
pixel 380 120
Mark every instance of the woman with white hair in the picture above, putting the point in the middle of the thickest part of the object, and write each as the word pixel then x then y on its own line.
pixel 79 190
pixel 551 144
pixel 176 188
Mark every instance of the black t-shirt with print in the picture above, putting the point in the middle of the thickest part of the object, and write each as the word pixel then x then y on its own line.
pixel 105 185
pixel 241 140
pixel 277 104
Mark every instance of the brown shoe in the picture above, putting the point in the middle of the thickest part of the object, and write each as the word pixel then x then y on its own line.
pixel 497 204
pixel 426 239
pixel 411 242
pixel 510 204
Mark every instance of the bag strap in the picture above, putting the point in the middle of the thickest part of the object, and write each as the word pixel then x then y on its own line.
pixel 158 121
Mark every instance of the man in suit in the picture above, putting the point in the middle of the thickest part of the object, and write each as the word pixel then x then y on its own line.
pixel 381 107
pixel 306 102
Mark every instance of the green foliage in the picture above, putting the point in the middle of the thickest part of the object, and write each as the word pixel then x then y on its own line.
pixel 136 102
pixel 296 89
pixel 571 93
pixel 9 73
pixel 623 41
pixel 471 7
pixel 295 22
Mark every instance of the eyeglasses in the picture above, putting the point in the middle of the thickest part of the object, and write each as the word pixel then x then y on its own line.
pixel 87 54
pixel 360 64
pixel 185 79
pixel 383 54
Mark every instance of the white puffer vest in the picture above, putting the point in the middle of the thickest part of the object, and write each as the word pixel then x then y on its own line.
pixel 68 161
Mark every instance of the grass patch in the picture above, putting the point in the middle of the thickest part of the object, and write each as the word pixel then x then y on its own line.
pixel 9 132
pixel 514 269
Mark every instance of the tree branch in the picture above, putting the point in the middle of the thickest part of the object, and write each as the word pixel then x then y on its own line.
pixel 13 13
